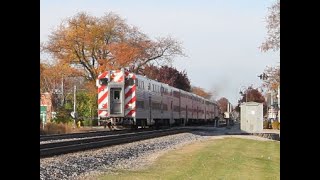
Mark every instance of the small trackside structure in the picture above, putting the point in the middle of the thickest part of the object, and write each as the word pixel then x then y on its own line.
pixel 251 117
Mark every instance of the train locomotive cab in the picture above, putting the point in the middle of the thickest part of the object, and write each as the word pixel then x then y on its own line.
pixel 111 97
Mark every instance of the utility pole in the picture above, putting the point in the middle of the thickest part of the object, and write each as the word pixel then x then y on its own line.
pixel 246 95
pixel 271 99
pixel 74 104
pixel 62 97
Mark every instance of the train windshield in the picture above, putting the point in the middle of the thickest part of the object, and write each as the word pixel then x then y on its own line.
pixel 103 81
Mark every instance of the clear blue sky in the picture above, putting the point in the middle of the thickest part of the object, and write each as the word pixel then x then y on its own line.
pixel 220 37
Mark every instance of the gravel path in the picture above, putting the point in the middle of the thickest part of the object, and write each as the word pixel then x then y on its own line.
pixel 135 155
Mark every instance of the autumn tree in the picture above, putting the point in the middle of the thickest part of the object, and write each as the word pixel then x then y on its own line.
pixel 97 44
pixel 153 72
pixel 51 75
pixel 252 95
pixel 223 104
pixel 272 41
pixel 168 75
pixel 59 80
pixel 271 77
pixel 201 92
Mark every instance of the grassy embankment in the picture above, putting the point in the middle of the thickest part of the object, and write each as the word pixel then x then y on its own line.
pixel 230 158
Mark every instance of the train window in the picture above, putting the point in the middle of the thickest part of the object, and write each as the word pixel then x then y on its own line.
pixel 103 81
pixel 142 84
pixel 156 106
pixel 140 104
pixel 129 82
pixel 149 86
pixel 164 107
pixel 176 94
pixel 176 108
pixel 116 95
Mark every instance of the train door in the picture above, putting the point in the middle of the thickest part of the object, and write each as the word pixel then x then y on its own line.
pixel 197 113
pixel 150 109
pixel 115 101
pixel 186 120
pixel 205 114
pixel 171 112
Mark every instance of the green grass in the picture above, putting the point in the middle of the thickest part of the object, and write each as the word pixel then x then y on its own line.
pixel 230 158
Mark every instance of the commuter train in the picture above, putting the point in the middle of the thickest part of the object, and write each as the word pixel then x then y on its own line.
pixel 131 100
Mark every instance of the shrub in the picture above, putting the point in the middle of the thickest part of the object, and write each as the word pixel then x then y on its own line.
pixel 275 125
pixel 54 128
pixel 87 123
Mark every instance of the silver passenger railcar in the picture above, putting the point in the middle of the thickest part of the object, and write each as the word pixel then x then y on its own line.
pixel 126 98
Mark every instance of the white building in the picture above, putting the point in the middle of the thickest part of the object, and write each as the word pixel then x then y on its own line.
pixel 251 117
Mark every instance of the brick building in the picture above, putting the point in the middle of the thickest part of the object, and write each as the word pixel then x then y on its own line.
pixel 46 100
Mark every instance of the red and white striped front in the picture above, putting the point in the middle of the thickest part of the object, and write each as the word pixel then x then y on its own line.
pixel 102 97
pixel 130 97
pixel 116 76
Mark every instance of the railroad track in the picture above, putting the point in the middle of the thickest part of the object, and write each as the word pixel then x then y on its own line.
pixel 86 134
pixel 57 148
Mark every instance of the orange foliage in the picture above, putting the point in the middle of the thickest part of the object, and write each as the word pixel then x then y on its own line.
pixel 223 104
pixel 107 42
pixel 125 54
pixel 51 76
pixel 201 92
